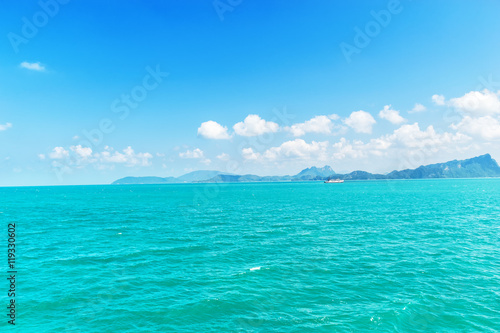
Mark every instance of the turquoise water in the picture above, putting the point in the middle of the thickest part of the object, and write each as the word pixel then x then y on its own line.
pixel 385 256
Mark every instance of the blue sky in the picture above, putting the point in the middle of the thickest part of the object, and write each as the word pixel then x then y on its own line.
pixel 280 69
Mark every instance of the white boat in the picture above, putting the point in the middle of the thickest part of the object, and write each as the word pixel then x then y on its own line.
pixel 334 181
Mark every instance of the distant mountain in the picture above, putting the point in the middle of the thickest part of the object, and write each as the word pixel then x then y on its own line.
pixel 360 175
pixel 197 176
pixel 480 166
pixel 246 178
pixel 144 180
pixel 314 173
pixel 194 176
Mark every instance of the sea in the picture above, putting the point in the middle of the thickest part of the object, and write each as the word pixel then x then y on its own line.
pixel 362 256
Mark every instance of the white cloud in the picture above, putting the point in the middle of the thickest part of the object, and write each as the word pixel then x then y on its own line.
pixel 253 125
pixel 485 127
pixel 438 99
pixel 33 66
pixel 418 108
pixel 195 153
pixel 345 148
pixel 391 115
pixel 479 103
pixel 213 130
pixel 360 121
pixel 129 158
pixel 405 138
pixel 249 154
pixel 412 137
pixel 403 141
pixel 358 149
pixel 299 149
pixel 5 126
pixel 83 152
pixel 318 124
pixel 79 157
pixel 58 153
pixel 223 157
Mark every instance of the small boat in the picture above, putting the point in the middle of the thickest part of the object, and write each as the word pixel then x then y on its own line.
pixel 334 181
